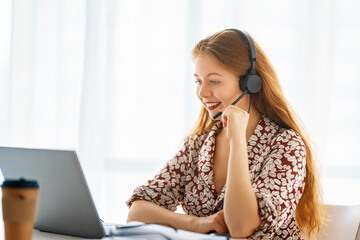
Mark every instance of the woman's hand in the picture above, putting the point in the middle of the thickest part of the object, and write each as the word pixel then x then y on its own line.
pixel 235 121
pixel 214 223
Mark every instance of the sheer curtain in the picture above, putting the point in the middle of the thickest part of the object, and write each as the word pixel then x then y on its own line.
pixel 113 80
pixel 41 72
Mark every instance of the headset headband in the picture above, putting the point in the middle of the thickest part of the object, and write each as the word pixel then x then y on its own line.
pixel 251 44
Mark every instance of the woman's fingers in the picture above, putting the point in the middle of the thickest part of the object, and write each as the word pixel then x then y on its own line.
pixel 224 119
pixel 220 220
pixel 217 228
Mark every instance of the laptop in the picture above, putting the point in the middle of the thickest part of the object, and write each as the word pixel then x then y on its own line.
pixel 65 205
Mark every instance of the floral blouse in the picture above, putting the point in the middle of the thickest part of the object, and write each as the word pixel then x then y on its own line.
pixel 277 158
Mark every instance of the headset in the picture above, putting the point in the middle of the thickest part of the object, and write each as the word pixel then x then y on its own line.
pixel 250 82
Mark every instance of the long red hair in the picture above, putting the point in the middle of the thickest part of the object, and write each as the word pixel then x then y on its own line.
pixel 232 51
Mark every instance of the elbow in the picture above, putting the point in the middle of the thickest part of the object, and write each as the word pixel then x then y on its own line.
pixel 134 212
pixel 245 230
pixel 241 233
pixel 131 216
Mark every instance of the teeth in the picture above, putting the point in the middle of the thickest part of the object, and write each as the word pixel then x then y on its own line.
pixel 211 104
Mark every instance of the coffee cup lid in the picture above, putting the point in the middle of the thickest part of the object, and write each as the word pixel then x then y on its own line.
pixel 20 183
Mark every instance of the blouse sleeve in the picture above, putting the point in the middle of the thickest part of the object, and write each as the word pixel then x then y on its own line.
pixel 168 186
pixel 280 184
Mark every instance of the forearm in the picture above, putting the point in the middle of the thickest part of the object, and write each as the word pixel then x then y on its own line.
pixel 240 204
pixel 148 212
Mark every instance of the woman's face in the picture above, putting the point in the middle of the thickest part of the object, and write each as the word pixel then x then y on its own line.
pixel 217 87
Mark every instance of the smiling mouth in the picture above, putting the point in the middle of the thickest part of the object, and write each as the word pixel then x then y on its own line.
pixel 212 106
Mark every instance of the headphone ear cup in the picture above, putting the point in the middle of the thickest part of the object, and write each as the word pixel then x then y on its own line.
pixel 243 82
pixel 253 83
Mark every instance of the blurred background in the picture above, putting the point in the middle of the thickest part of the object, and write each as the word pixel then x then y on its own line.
pixel 113 80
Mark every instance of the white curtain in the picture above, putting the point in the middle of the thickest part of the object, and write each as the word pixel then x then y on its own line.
pixel 113 79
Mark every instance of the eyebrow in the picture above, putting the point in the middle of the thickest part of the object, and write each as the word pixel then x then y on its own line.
pixel 209 74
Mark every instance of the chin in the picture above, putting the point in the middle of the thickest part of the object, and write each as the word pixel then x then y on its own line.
pixel 213 113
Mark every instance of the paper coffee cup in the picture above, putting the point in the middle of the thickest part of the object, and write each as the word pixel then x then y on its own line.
pixel 19 202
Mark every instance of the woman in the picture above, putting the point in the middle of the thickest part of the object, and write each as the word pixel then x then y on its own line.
pixel 250 171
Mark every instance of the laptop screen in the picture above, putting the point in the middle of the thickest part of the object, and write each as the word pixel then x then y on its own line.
pixel 65 205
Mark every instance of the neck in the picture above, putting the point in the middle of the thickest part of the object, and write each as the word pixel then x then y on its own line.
pixel 254 119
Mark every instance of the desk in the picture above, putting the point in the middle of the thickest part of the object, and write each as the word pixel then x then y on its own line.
pixel 38 235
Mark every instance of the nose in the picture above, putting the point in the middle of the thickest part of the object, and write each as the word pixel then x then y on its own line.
pixel 204 91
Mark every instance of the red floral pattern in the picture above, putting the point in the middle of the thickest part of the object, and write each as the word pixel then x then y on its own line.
pixel 277 158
